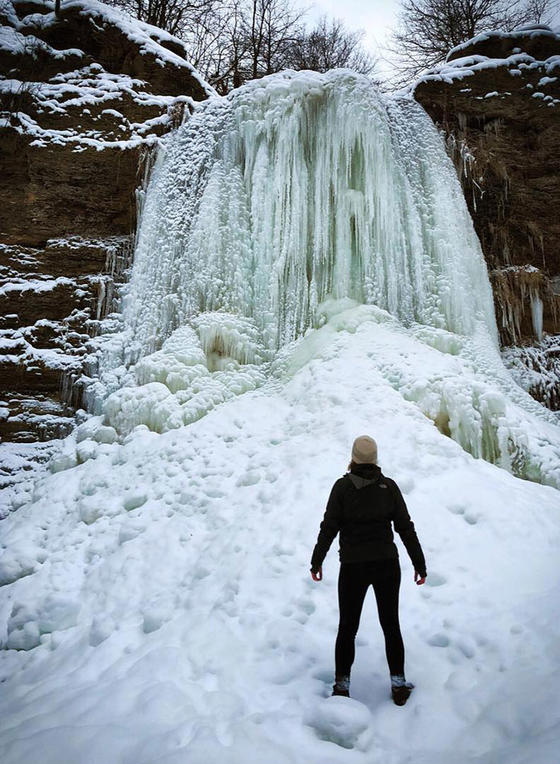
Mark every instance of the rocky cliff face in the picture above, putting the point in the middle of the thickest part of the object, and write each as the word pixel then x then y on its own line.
pixel 498 100
pixel 83 97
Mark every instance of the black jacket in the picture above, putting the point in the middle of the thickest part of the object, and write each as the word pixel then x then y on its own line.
pixel 362 506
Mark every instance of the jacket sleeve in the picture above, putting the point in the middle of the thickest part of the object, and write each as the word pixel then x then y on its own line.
pixel 405 528
pixel 330 526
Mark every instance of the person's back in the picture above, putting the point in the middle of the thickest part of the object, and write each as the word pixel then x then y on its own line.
pixel 361 507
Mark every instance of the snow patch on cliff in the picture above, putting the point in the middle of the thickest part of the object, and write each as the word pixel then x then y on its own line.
pixel 67 108
pixel 546 69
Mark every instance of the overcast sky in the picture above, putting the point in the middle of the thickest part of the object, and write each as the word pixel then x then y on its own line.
pixel 375 17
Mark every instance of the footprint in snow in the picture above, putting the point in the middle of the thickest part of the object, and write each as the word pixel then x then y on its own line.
pixel 341 721
pixel 252 477
pixel 307 606
pixel 435 579
pixel 465 648
pixel 214 493
pixel 471 518
pixel 324 675
pixel 462 510
pixel 438 640
pixel 304 608
pixel 134 500
pixel 456 509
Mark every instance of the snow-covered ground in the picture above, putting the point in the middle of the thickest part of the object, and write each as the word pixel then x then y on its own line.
pixel 166 585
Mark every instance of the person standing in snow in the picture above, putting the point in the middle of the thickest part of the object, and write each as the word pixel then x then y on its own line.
pixel 362 505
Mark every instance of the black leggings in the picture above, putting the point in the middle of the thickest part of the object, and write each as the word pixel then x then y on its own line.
pixel 353 582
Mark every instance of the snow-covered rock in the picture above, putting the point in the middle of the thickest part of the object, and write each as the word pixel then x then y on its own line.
pixel 497 97
pixel 83 97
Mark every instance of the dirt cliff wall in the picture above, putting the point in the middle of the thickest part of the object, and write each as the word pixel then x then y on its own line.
pixel 497 98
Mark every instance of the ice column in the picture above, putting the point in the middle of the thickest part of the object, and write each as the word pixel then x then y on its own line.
pixel 537 315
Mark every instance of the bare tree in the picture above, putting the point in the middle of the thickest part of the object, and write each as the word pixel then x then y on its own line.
pixel 232 41
pixel 171 15
pixel 217 43
pixel 274 27
pixel 238 40
pixel 428 29
pixel 214 32
pixel 329 45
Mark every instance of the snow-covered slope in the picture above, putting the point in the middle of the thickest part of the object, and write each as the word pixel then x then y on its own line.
pixel 175 614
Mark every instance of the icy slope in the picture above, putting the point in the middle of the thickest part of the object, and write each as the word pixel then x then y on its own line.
pixel 178 620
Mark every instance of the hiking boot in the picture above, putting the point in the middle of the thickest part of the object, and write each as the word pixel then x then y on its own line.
pixel 341 687
pixel 400 689
pixel 400 694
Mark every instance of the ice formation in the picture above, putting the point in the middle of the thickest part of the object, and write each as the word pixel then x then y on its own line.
pixel 517 290
pixel 537 369
pixel 297 188
pixel 282 209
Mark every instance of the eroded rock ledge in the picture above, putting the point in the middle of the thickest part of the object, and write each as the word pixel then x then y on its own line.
pixel 83 98
pixel 497 98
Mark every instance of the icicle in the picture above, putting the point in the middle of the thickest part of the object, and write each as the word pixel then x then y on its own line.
pixel 515 289
pixel 537 314
pixel 101 291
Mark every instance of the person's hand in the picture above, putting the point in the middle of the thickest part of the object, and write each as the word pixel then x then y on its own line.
pixel 317 575
pixel 419 579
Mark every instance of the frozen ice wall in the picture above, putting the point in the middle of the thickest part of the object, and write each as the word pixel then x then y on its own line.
pixel 305 202
pixel 299 187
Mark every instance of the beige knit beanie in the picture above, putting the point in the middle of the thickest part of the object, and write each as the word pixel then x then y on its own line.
pixel 364 450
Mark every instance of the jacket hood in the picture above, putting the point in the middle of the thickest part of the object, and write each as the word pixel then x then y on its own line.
pixel 364 474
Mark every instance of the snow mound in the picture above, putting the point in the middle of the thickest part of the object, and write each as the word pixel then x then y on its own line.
pixel 458 382
pixel 194 371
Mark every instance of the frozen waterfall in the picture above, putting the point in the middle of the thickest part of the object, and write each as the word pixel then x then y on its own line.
pixel 300 187
pixel 301 207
